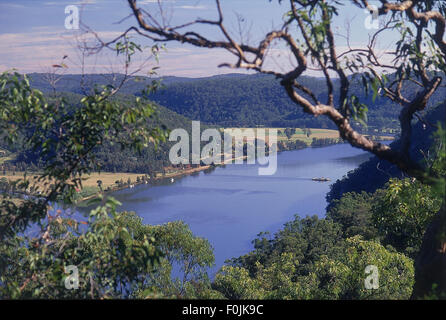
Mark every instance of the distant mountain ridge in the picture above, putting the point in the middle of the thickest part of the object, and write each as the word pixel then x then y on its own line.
pixel 236 100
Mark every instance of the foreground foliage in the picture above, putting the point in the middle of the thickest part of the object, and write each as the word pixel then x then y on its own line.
pixel 309 259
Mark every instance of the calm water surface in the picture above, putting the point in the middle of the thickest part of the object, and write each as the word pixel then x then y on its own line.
pixel 231 205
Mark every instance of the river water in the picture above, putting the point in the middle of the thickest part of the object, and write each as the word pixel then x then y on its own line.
pixel 231 205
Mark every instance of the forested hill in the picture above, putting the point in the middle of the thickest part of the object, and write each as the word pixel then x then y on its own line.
pixel 239 100
pixel 374 173
pixel 112 158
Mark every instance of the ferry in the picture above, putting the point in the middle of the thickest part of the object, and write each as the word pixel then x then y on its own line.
pixel 321 179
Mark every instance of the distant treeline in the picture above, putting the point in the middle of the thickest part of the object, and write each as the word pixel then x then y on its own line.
pixel 322 142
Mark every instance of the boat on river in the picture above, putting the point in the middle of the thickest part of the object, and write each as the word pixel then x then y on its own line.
pixel 321 179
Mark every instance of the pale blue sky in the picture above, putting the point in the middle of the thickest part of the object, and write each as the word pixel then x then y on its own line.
pixel 33 36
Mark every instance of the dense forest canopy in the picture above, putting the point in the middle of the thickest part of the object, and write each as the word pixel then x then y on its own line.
pixel 111 157
pixel 238 100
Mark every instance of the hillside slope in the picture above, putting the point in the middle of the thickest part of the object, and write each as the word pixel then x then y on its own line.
pixel 239 100
pixel 111 157
pixel 374 173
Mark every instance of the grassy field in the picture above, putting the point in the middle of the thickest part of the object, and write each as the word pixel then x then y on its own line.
pixel 298 135
pixel 314 133
pixel 90 186
pixel 108 179
pixel 302 135
pixel 3 159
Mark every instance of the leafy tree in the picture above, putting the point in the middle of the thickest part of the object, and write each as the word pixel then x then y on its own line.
pixel 111 256
pixel 236 283
pixel 116 255
pixel 374 173
pixel 309 259
pixel 343 277
pixel 182 270
pixel 307 238
pixel 308 133
pixel 403 214
pixel 64 137
pixel 354 213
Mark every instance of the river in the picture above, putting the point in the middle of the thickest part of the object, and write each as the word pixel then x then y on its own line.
pixel 231 205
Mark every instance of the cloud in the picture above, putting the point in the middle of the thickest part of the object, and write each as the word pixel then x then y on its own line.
pixel 183 6
pixel 36 51
pixel 197 7
pixel 78 3
pixel 192 62
pixel 154 1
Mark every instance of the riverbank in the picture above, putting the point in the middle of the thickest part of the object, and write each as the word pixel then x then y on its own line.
pixel 107 182
pixel 139 180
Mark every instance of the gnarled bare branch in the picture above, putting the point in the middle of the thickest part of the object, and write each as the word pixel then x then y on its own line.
pixel 252 57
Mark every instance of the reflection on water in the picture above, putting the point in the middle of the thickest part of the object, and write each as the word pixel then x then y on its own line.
pixel 231 205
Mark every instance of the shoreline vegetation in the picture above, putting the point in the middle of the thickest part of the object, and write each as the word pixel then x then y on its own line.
pixel 288 139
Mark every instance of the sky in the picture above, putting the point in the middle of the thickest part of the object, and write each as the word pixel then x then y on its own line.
pixel 33 34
